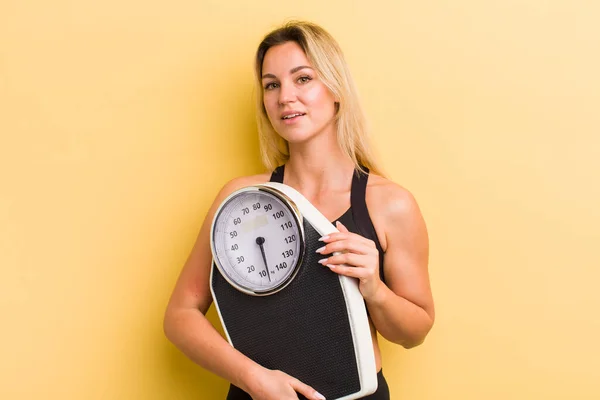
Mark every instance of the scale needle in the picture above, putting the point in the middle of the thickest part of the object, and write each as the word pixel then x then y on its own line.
pixel 261 241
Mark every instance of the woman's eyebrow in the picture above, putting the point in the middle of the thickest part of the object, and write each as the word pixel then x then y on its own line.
pixel 293 70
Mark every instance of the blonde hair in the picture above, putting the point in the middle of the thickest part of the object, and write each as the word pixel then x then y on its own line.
pixel 327 59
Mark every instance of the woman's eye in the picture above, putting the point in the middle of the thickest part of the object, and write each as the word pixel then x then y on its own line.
pixel 304 79
pixel 270 85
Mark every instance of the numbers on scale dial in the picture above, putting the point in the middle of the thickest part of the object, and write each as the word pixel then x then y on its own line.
pixel 260 241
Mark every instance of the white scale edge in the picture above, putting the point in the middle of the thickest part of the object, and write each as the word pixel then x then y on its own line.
pixel 357 313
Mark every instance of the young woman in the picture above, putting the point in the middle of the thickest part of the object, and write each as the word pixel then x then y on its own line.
pixel 312 137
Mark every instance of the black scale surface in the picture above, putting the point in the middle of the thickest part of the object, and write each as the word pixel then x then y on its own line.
pixel 302 330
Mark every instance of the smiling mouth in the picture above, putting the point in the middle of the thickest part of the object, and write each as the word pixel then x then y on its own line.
pixel 293 116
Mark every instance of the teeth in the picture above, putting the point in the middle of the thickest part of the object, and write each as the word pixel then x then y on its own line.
pixel 291 116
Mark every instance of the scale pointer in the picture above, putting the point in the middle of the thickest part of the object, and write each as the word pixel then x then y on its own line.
pixel 260 241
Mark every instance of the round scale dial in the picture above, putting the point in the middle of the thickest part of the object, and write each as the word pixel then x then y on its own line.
pixel 257 240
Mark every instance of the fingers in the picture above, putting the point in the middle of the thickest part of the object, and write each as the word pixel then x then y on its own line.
pixel 336 236
pixel 347 245
pixel 350 270
pixel 306 390
pixel 347 249
pixel 341 227
pixel 355 260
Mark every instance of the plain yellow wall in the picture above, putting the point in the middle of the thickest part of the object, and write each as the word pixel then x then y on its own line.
pixel 120 120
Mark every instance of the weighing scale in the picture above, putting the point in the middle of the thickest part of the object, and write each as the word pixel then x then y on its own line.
pixel 277 304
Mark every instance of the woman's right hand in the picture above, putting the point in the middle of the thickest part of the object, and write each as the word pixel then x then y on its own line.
pixel 277 385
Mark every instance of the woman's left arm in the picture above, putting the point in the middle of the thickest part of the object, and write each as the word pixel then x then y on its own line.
pixel 402 309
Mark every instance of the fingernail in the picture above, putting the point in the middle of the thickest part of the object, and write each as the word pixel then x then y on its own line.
pixel 321 249
pixel 324 238
pixel 323 261
pixel 319 396
pixel 331 266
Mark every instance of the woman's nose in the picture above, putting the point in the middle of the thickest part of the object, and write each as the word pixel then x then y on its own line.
pixel 287 93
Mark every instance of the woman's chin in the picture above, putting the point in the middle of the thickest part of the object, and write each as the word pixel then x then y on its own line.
pixel 296 137
pixel 301 137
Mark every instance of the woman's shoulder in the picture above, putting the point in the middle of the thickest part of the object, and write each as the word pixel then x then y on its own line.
pixel 387 192
pixel 242 181
pixel 390 205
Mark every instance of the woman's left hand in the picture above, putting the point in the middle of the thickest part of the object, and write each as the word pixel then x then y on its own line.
pixel 358 258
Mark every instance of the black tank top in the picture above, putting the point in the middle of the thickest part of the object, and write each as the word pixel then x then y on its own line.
pixel 356 218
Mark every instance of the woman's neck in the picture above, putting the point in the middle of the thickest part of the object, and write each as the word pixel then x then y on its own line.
pixel 318 168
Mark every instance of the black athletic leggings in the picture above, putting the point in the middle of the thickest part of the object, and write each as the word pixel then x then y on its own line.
pixel 382 393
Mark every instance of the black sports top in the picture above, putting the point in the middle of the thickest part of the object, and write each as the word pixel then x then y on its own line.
pixel 356 218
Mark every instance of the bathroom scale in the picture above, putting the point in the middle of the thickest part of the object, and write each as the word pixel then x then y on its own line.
pixel 277 304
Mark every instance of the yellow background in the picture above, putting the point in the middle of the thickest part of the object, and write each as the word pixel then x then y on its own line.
pixel 120 120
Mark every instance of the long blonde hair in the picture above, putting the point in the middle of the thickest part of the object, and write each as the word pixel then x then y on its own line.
pixel 326 57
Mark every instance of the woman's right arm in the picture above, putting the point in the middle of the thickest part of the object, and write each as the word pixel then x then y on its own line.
pixel 190 331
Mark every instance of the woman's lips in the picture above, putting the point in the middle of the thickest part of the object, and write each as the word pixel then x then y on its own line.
pixel 292 118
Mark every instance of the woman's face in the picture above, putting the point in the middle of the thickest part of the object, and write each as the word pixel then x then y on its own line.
pixel 298 104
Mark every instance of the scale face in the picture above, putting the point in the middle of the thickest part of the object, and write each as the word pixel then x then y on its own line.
pixel 257 240
pixel 277 304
